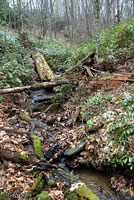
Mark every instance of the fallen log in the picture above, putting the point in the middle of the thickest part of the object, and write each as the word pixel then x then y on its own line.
pixel 14 156
pixel 34 86
pixel 15 131
pixel 44 71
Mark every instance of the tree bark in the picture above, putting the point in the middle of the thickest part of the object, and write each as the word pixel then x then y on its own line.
pixel 34 86
pixel 97 25
pixel 12 156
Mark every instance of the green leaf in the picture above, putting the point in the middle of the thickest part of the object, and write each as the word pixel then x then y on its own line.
pixel 18 80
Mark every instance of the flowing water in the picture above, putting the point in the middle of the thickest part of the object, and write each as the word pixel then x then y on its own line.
pixel 99 183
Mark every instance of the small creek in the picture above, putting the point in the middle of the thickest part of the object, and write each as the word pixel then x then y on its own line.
pixel 98 182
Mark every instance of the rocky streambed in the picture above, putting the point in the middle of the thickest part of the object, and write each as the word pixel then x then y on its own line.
pixel 64 153
pixel 61 150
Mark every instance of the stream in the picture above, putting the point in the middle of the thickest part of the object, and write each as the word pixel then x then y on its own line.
pixel 98 182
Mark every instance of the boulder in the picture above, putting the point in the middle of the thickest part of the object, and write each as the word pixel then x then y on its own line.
pixel 74 188
pixel 72 151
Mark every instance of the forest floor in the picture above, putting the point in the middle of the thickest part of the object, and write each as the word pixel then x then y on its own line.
pixel 92 105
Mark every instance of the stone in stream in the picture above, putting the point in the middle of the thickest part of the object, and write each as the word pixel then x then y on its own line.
pixel 48 154
pixel 74 188
pixel 74 150
pixel 41 96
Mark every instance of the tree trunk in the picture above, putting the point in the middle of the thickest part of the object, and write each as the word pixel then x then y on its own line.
pixel 118 11
pixel 34 86
pixel 97 25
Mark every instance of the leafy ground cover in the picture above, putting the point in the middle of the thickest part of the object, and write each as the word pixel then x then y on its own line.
pixel 16 68
pixel 116 42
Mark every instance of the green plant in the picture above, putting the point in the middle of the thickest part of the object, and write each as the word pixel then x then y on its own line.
pixel 15 66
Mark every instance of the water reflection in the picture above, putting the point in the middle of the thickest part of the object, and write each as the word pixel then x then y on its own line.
pixel 98 182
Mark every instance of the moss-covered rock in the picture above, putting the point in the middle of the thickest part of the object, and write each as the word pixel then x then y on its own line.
pixel 75 150
pixel 37 146
pixel 2 198
pixel 80 190
pixel 76 189
pixel 85 192
pixel 43 196
pixel 37 186
pixel 70 195
pixel 25 117
pixel 22 156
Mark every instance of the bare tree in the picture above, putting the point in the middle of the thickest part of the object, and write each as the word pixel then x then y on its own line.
pixel 97 23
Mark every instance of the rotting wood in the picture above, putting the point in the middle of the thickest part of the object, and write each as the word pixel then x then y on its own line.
pixel 12 156
pixel 88 70
pixel 34 86
pixel 44 71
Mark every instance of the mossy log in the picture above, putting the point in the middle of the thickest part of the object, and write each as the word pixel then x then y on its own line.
pixel 37 147
pixel 17 157
pixel 38 185
pixel 43 69
pixel 34 86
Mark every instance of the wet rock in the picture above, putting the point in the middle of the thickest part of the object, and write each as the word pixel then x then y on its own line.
pixel 64 176
pixel 75 150
pixel 75 189
pixel 79 190
pixel 41 96
pixel 72 163
pixel 48 154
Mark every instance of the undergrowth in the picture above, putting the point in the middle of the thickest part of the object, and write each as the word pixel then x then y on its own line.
pixel 15 65
pixel 115 42
pixel 116 112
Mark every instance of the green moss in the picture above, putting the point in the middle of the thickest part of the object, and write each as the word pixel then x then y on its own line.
pixel 51 183
pixel 22 156
pixel 2 198
pixel 85 192
pixel 43 196
pixel 37 146
pixel 25 117
pixel 59 169
pixel 70 195
pixel 35 123
pixel 37 186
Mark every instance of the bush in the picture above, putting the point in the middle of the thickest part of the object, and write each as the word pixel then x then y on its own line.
pixel 15 65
